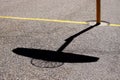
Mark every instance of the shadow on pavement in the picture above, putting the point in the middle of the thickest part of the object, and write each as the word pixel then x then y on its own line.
pixel 54 56
pixel 58 56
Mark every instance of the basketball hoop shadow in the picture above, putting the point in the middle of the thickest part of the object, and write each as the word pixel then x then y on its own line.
pixel 52 59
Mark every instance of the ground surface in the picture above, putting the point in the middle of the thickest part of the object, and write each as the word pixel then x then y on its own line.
pixel 102 42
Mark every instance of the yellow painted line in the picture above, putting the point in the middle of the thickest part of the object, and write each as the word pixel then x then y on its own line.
pixel 114 25
pixel 42 19
pixel 52 20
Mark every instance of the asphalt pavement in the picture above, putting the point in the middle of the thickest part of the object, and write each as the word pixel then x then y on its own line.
pixel 44 50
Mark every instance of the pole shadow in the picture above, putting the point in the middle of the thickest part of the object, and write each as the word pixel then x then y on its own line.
pixel 58 56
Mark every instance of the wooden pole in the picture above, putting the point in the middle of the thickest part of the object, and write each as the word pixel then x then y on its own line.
pixel 98 11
